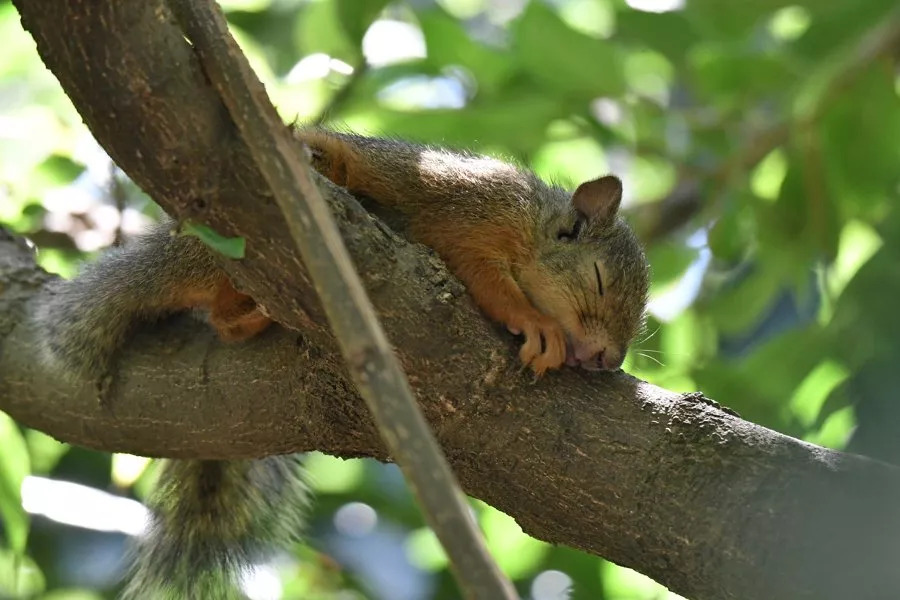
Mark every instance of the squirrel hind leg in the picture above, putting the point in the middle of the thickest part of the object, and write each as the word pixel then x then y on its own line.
pixel 235 315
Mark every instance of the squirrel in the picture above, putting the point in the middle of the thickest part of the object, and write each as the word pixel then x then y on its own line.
pixel 562 269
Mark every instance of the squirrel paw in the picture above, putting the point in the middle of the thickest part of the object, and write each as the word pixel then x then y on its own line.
pixel 545 345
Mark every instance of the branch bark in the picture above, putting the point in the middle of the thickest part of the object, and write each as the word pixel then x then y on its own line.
pixel 711 506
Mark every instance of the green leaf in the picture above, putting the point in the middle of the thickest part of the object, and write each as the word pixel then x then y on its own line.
pixel 859 147
pixel 566 61
pixel 733 20
pixel 230 247
pixel 58 170
pixel 448 43
pixel 669 261
pixel 668 33
pixel 44 451
pixel 318 29
pixel 731 237
pixel 356 16
pixel 20 576
pixel 14 467
pixel 727 73
pixel 496 124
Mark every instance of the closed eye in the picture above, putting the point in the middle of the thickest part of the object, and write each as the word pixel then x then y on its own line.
pixel 599 279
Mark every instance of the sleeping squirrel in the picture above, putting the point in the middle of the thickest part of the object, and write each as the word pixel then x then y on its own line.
pixel 560 268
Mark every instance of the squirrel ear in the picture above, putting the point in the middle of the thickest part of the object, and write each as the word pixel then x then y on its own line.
pixel 599 199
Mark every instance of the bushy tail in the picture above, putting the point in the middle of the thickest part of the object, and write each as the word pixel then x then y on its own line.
pixel 213 520
pixel 84 321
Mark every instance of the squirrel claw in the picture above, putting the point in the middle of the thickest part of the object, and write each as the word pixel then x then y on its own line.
pixel 544 347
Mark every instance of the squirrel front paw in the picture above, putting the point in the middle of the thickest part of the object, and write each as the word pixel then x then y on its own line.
pixel 545 344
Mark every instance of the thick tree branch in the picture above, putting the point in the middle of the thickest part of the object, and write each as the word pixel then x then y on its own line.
pixel 711 506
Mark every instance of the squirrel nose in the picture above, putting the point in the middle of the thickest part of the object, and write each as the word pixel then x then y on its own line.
pixel 611 359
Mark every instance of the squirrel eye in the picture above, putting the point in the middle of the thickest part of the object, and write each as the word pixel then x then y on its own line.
pixel 599 279
pixel 568 236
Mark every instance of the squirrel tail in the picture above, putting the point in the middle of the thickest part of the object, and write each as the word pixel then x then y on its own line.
pixel 82 322
pixel 211 521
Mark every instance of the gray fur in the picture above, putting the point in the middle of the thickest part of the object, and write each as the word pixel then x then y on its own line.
pixel 86 320
pixel 211 520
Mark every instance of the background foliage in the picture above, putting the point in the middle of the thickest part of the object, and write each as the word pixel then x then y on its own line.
pixel 758 145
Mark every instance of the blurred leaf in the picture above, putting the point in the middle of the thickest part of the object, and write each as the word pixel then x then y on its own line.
pixel 58 170
pixel 835 26
pixel 684 343
pixel 230 247
pixel 448 43
pixel 425 551
pixel 516 552
pixel 731 75
pixel 731 237
pixel 44 451
pixel 571 161
pixel 621 583
pixel 810 396
pixel 72 594
pixel 20 576
pixel 862 178
pixel 729 20
pixel 14 467
pixel 836 429
pixel 271 26
pixel 670 260
pixel 332 475
pixel 567 61
pixel 737 382
pixel 498 124
pixel 669 33
pixel 740 304
pixel 859 242
pixel 127 469
pixel 356 16
pixel 318 29
pixel 649 74
pixel 769 174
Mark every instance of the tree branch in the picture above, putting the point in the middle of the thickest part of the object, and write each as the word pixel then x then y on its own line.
pixel 707 504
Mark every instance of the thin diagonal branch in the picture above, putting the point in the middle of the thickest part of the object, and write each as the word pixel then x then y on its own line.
pixel 374 368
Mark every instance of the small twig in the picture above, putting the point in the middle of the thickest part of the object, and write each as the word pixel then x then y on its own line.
pixel 373 366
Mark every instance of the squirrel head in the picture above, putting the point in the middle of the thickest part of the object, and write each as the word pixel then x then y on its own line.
pixel 591 275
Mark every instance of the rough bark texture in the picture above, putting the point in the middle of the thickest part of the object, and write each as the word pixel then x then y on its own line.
pixel 712 506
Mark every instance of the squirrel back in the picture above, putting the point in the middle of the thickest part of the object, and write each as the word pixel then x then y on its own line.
pixel 210 520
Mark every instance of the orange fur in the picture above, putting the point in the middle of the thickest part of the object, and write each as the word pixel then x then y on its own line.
pixel 235 315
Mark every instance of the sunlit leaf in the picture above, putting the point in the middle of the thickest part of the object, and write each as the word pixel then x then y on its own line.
pixel 568 61
pixel 20 576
